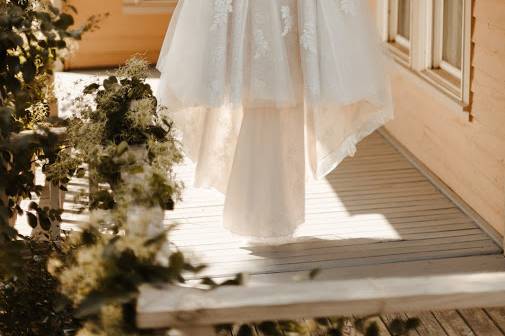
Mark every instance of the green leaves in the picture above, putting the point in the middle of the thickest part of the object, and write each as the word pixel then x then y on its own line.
pixel 270 329
pixel 237 281
pixel 11 40
pixel 31 40
pixel 4 20
pixel 314 273
pixel 245 330
pixel 122 148
pixel 30 303
pixel 80 173
pixel 12 84
pixel 94 302
pixel 32 220
pixel 177 262
pixel 373 330
pixel 64 21
pixel 92 88
pixel 400 327
pixel 44 220
pixel 109 83
pixel 29 71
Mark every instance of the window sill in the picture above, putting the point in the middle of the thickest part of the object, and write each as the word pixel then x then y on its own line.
pixel 399 53
pixel 432 83
pixel 444 82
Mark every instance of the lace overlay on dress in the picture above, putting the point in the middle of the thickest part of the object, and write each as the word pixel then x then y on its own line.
pixel 228 64
pixel 221 10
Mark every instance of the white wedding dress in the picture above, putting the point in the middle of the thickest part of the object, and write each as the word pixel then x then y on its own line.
pixel 262 89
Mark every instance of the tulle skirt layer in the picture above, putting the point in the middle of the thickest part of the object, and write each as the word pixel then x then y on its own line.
pixel 262 89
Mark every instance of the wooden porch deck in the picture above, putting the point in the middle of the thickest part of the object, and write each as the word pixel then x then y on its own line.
pixel 375 216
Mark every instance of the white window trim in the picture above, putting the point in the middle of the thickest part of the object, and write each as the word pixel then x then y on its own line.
pixel 437 44
pixel 393 27
pixel 149 6
pixel 420 58
pixel 399 45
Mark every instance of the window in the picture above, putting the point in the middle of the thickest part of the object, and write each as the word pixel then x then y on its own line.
pixel 432 38
pixel 448 37
pixel 400 24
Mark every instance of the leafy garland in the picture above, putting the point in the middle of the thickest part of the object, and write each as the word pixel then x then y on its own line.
pixel 124 246
pixel 118 131
pixel 33 37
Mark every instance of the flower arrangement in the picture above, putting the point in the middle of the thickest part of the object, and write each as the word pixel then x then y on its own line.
pixel 118 131
pixel 34 35
pixel 125 244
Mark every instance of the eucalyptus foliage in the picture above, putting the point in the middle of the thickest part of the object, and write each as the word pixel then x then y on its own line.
pixel 33 36
pixel 32 304
pixel 119 131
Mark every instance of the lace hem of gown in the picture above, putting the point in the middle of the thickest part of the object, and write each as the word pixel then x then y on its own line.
pixel 220 63
pixel 348 147
pixel 330 162
pixel 270 241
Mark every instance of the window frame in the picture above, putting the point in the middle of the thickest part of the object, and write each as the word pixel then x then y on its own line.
pixel 399 44
pixel 424 43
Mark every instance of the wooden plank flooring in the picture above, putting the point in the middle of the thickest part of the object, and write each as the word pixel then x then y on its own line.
pixel 376 215
pixel 474 322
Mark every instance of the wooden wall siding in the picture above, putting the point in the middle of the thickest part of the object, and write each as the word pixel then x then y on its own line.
pixel 120 36
pixel 468 156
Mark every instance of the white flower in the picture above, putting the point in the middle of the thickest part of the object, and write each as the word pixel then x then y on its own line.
pixel 141 112
pixel 144 221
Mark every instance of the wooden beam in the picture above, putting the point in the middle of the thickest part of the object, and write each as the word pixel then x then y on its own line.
pixel 187 307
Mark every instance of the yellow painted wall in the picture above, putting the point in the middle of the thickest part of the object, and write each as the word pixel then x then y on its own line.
pixel 468 156
pixel 120 36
